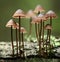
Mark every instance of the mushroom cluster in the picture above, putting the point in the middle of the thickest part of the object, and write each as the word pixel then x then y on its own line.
pixel 38 18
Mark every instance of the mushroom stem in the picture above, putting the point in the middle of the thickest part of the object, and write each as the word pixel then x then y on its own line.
pixel 36 31
pixel 50 30
pixel 47 40
pixel 19 35
pixel 22 43
pixel 43 35
pixel 40 37
pixel 38 24
pixel 16 42
pixel 12 41
pixel 30 26
pixel 50 21
pixel 38 27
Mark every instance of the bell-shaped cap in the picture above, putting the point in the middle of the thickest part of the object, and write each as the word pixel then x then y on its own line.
pixel 39 18
pixel 35 19
pixel 42 17
pixel 39 8
pixel 11 23
pixel 48 27
pixel 30 14
pixel 22 30
pixel 19 13
pixel 50 13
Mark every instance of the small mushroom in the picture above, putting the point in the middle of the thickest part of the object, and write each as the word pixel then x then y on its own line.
pixel 16 27
pixel 48 28
pixel 18 14
pixel 42 18
pixel 39 9
pixel 22 31
pixel 30 14
pixel 35 20
pixel 50 15
pixel 10 24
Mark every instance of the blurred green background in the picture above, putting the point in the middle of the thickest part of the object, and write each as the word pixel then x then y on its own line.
pixel 8 7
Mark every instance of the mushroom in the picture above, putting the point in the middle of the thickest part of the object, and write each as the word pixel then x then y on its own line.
pixel 18 14
pixel 11 23
pixel 30 14
pixel 16 27
pixel 42 18
pixel 35 20
pixel 48 28
pixel 50 14
pixel 22 31
pixel 39 9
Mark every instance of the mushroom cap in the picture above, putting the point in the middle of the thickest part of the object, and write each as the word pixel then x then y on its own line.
pixel 50 13
pixel 39 8
pixel 11 23
pixel 39 18
pixel 22 30
pixel 42 17
pixel 18 13
pixel 48 27
pixel 30 13
pixel 35 19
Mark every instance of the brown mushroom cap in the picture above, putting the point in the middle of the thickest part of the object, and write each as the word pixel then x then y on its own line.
pixel 39 18
pixel 30 13
pixel 10 23
pixel 35 19
pixel 22 30
pixel 19 13
pixel 48 27
pixel 42 17
pixel 50 14
pixel 39 8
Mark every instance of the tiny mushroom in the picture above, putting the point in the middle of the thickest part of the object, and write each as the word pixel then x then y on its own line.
pixel 48 28
pixel 22 31
pixel 16 26
pixel 19 14
pixel 50 15
pixel 30 14
pixel 11 23
pixel 39 9
pixel 42 18
pixel 35 20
